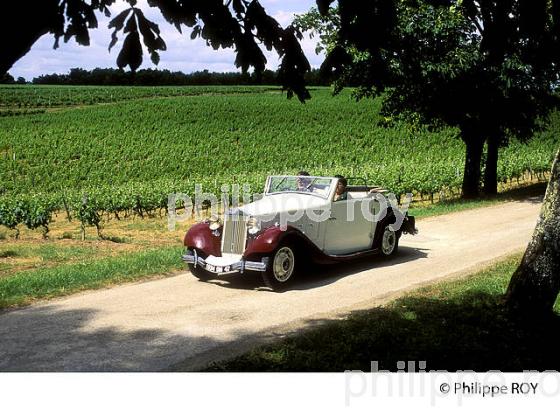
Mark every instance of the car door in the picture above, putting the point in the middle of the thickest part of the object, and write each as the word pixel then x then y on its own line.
pixel 310 228
pixel 348 229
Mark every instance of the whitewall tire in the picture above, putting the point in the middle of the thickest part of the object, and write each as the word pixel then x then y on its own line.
pixel 281 268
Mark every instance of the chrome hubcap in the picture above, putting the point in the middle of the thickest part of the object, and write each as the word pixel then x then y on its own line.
pixel 388 242
pixel 283 264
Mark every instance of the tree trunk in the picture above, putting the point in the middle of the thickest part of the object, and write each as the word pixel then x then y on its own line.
pixel 535 284
pixel 491 168
pixel 471 176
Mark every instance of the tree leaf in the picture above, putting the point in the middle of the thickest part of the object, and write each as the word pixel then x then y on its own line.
pixel 323 6
pixel 238 7
pixel 131 24
pixel 155 57
pixel 131 52
pixel 114 40
pixel 118 22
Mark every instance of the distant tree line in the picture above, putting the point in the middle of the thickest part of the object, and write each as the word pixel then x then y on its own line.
pixel 151 77
pixel 8 79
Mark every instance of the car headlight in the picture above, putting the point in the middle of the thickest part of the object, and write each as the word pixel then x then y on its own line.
pixel 214 223
pixel 253 226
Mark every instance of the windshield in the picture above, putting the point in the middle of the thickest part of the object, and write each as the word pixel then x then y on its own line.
pixel 319 186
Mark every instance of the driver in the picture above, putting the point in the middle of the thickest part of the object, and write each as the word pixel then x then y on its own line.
pixel 303 183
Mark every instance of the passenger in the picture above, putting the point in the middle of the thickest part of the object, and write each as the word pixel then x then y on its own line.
pixel 377 190
pixel 341 194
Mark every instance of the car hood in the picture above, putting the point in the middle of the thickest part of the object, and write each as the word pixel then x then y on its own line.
pixel 277 203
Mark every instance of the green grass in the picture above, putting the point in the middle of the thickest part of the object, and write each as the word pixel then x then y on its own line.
pixel 24 287
pixel 457 325
pixel 41 253
pixel 8 253
pixel 56 253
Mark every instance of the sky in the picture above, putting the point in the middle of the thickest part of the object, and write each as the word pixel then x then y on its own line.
pixel 183 54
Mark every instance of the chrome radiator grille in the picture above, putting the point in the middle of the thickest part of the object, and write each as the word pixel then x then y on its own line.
pixel 234 235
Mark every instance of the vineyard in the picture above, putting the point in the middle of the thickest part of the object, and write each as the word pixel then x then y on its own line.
pixel 46 96
pixel 90 161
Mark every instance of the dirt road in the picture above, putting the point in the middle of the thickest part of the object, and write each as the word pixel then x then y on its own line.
pixel 180 321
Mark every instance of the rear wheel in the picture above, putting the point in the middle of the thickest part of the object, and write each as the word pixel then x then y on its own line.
pixel 281 269
pixel 389 242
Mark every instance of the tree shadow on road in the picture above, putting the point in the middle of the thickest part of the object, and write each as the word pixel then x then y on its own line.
pixel 471 331
pixel 50 338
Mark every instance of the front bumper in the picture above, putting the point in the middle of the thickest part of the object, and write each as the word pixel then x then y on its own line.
pixel 219 266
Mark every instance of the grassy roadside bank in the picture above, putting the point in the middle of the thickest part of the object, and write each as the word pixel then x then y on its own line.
pixel 457 325
pixel 43 283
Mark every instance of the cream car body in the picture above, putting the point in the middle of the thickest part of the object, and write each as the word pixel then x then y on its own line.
pixel 292 221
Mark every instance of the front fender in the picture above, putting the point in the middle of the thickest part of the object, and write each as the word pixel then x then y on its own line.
pixel 200 237
pixel 267 241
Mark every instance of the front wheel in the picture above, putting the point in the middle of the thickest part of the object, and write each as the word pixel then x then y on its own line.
pixel 389 242
pixel 201 273
pixel 281 268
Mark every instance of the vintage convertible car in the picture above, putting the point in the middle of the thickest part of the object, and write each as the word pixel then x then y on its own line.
pixel 296 221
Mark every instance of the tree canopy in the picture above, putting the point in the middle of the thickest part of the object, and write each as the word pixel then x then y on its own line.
pixel 240 24
pixel 487 67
